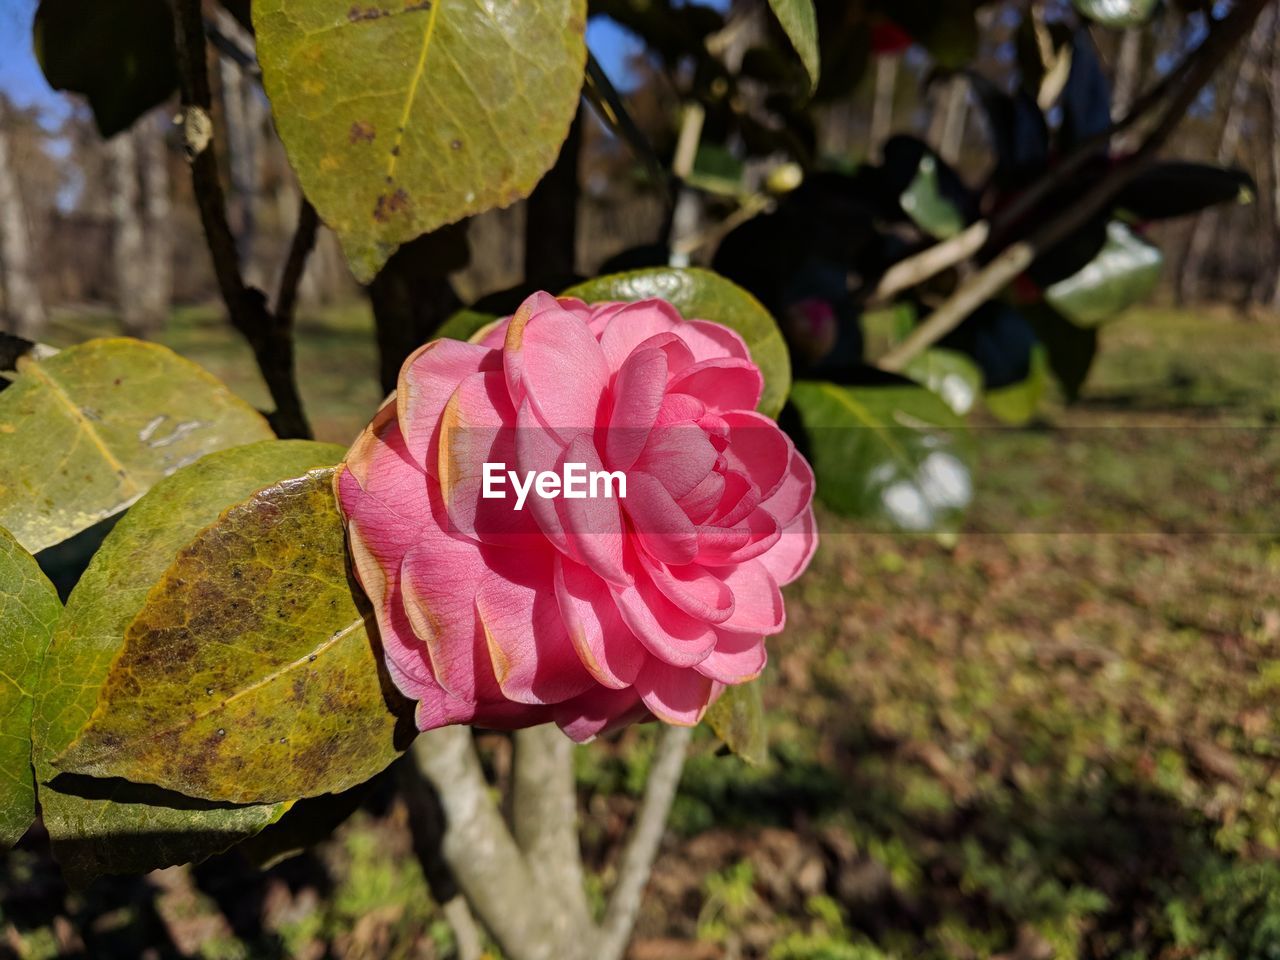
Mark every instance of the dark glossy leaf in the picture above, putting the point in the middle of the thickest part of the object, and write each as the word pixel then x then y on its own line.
pixel 118 53
pixel 1018 403
pixel 111 826
pixel 1177 189
pixel 738 720
pixel 250 673
pixel 1018 131
pixel 800 22
pixel 951 375
pixel 999 340
pixel 400 118
pixel 1071 349
pixel 464 324
pixel 701 294
pixel 1086 99
pixel 29 608
pixel 1125 271
pixel 1118 13
pixel 87 431
pixel 894 455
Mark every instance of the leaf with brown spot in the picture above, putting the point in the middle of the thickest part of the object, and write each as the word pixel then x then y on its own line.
pixel 470 104
pixel 738 720
pixel 29 608
pixel 249 675
pixel 86 432
pixel 109 826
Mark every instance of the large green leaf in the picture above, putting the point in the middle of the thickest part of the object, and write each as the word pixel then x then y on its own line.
pixel 29 608
pixel 464 324
pixel 701 294
pixel 1125 271
pixel 401 116
pixel 86 432
pixel 250 675
pixel 951 375
pixel 112 826
pixel 1118 13
pixel 118 53
pixel 1071 349
pixel 738 720
pixel 800 21
pixel 894 454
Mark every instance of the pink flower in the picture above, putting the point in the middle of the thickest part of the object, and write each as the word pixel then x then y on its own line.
pixel 590 611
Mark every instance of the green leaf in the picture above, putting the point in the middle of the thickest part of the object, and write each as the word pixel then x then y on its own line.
pixel 401 116
pixel 86 432
pixel 924 203
pixel 1018 403
pixel 114 827
pixel 118 53
pixel 800 21
pixel 893 454
pixel 250 675
pixel 1071 349
pixel 29 608
pixel 738 720
pixel 701 294
pixel 1125 271
pixel 951 375
pixel 464 324
pixel 1118 13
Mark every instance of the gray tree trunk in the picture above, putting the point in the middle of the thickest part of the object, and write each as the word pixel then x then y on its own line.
pixel 1128 72
pixel 128 247
pixel 23 312
pixel 1206 226
pixel 157 204
pixel 882 106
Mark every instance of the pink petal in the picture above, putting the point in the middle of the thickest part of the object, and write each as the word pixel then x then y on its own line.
pixel 539 450
pixel 795 494
pixel 710 340
pixel 607 648
pixel 790 556
pixel 533 657
pixel 513 341
pixel 758 605
pixel 633 324
pixel 693 589
pixel 723 546
pixel 674 695
pixel 666 631
pixel 477 428
pixel 737 658
pixel 593 525
pixel 657 521
pixel 679 457
pixel 757 449
pixel 427 381
pixel 702 499
pixel 563 372
pixel 680 408
pixel 638 393
pixel 724 384
pixel 599 711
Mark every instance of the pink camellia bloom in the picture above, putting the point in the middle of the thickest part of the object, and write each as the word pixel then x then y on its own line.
pixel 592 610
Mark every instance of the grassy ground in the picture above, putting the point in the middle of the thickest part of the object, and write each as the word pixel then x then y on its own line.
pixel 1053 737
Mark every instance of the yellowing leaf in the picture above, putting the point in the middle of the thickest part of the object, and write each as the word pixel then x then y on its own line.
pixel 29 608
pixel 86 432
pixel 703 295
pixel 249 675
pixel 401 116
pixel 738 720
pixel 111 826
pixel 799 20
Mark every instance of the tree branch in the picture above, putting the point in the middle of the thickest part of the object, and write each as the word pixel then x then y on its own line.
pixel 480 851
pixel 545 818
pixel 304 241
pixel 1017 257
pixel 642 848
pixel 272 342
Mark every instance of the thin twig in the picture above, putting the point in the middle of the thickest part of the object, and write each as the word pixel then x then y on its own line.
pixel 1017 257
pixel 272 343
pixel 304 241
pixel 642 848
